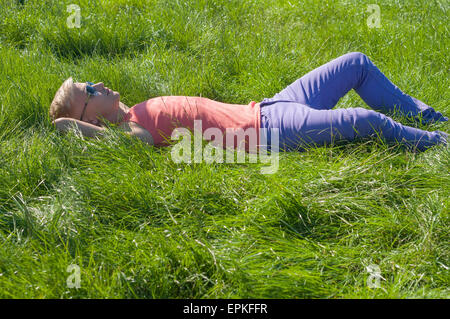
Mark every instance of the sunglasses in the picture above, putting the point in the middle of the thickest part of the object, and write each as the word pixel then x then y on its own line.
pixel 90 91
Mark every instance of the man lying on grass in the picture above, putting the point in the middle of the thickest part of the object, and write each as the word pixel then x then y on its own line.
pixel 303 112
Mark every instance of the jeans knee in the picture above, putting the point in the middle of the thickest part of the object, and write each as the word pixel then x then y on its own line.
pixel 367 121
pixel 358 58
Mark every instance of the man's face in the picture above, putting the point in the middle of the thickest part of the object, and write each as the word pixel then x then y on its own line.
pixel 104 104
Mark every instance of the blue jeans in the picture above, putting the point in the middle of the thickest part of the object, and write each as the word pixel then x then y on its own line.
pixel 303 111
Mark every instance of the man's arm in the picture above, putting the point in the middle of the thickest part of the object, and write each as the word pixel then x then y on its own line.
pixel 135 129
pixel 63 124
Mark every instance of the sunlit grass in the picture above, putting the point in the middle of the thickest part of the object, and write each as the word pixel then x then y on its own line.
pixel 141 226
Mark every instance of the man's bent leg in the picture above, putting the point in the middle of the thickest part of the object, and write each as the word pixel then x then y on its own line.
pixel 324 86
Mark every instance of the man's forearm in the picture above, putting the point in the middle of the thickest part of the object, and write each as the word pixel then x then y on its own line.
pixel 88 130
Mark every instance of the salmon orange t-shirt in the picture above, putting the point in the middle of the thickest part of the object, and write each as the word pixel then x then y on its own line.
pixel 239 123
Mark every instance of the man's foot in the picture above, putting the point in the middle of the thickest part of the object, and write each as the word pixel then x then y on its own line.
pixel 430 116
pixel 443 137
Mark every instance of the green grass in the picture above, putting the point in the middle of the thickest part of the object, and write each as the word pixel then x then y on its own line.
pixel 141 226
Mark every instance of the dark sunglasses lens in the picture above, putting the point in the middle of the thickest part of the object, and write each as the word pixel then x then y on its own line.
pixel 90 89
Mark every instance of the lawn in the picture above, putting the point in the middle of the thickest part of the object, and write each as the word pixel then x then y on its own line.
pixel 116 218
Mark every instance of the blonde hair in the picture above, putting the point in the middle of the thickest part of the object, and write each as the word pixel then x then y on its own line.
pixel 62 102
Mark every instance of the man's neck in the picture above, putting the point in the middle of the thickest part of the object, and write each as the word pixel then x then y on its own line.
pixel 123 109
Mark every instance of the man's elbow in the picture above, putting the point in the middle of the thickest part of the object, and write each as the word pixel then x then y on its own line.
pixel 61 124
pixel 141 137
